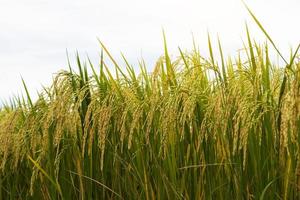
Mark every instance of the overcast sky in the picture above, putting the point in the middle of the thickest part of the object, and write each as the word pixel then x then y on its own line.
pixel 34 34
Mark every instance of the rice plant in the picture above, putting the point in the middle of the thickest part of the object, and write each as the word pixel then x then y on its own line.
pixel 194 128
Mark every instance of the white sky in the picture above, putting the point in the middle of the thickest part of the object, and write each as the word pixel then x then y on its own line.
pixel 34 34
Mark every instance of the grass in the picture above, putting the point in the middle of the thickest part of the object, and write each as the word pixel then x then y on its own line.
pixel 194 128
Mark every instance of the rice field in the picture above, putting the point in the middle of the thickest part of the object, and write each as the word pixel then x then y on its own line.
pixel 193 128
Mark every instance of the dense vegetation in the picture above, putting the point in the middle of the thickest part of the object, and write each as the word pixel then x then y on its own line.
pixel 194 128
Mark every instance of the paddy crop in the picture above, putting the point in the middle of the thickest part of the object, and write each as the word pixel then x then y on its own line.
pixel 193 128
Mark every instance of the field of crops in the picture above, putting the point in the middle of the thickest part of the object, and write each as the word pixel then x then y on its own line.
pixel 193 128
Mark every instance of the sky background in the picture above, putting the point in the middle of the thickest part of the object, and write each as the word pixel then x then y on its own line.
pixel 35 34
